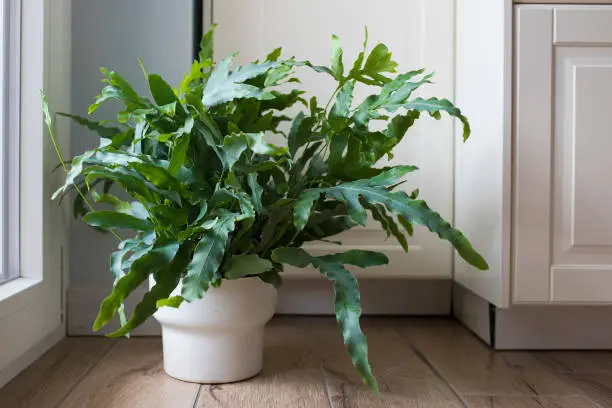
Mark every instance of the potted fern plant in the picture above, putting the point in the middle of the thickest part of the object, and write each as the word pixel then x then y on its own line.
pixel 214 211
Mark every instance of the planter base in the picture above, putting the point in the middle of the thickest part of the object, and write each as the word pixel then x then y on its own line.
pixel 212 358
pixel 219 338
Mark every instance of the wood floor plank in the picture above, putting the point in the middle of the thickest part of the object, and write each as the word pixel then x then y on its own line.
pixel 46 382
pixel 585 362
pixel 405 380
pixel 595 387
pixel 131 376
pixel 529 402
pixel 421 363
pixel 474 369
pixel 291 376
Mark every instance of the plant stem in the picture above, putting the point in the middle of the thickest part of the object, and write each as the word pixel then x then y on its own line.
pixel 277 237
pixel 76 187
pixel 340 84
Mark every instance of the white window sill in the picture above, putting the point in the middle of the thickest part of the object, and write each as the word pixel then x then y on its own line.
pixel 15 294
pixel 15 286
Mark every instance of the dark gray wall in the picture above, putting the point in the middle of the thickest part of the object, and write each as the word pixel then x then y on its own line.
pixel 113 34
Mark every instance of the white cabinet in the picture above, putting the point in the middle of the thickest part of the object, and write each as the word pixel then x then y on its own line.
pixel 563 150
pixel 533 185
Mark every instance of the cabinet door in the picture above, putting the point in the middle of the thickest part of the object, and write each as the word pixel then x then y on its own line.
pixel 563 190
pixel 420 34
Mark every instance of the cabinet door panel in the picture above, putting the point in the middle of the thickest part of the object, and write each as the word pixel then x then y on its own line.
pixel 583 136
pixel 588 25
pixel 569 165
pixel 532 176
pixel 582 225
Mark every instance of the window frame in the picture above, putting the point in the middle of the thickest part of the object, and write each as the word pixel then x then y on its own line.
pixel 10 83
pixel 32 305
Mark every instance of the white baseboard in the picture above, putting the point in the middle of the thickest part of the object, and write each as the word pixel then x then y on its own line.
pixel 296 296
pixel 553 328
pixel 378 297
pixel 542 327
pixel 23 362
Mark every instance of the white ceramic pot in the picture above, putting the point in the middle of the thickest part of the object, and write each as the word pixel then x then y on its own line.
pixel 219 338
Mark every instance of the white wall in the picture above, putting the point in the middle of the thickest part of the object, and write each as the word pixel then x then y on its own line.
pixel 113 33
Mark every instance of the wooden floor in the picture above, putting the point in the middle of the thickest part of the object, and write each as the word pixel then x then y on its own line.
pixel 419 363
